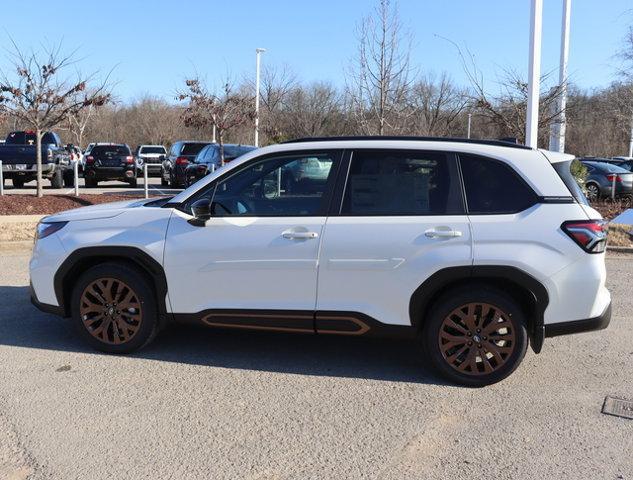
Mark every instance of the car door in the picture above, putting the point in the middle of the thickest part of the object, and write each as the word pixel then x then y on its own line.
pixel 401 219
pixel 259 250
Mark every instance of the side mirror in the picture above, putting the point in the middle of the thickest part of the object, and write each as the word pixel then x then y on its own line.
pixel 161 158
pixel 201 211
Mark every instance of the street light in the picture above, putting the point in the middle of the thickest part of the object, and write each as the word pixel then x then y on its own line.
pixel 559 127
pixel 470 116
pixel 534 74
pixel 258 52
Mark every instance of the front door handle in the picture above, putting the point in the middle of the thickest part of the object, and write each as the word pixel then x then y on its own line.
pixel 293 235
pixel 442 232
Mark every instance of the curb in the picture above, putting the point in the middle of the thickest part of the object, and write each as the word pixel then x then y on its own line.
pixel 620 249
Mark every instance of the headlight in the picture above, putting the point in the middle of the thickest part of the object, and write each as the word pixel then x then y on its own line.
pixel 46 229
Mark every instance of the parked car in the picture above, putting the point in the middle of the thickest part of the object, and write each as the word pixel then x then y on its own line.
pixel 600 180
pixel 110 161
pixel 208 160
pixel 474 249
pixel 153 156
pixel 19 159
pixel 180 156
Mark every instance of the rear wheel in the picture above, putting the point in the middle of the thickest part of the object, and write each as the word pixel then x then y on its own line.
pixel 593 192
pixel 69 181
pixel 114 308
pixel 475 336
pixel 18 182
pixel 90 182
pixel 133 183
pixel 163 182
pixel 57 180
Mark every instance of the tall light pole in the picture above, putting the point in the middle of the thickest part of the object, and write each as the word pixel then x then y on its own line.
pixel 559 127
pixel 258 52
pixel 470 116
pixel 534 74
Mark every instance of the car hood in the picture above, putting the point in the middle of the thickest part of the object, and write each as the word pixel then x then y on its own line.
pixel 93 212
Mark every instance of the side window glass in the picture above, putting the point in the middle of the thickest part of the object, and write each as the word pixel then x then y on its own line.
pixel 292 185
pixel 383 182
pixel 492 187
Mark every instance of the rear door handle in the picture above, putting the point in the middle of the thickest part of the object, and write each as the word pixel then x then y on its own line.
pixel 292 235
pixel 442 232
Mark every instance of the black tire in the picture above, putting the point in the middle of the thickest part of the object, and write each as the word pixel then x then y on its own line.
pixel 172 182
pixel 57 180
pixel 91 183
pixel 593 191
pixel 133 182
pixel 17 182
pixel 458 369
pixel 145 329
pixel 69 181
pixel 163 182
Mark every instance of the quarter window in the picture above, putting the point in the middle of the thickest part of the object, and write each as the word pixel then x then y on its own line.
pixel 492 187
pixel 386 182
pixel 293 185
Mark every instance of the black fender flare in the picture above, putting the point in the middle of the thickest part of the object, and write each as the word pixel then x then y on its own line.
pixel 535 294
pixel 85 257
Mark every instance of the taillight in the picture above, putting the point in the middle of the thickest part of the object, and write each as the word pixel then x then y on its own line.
pixel 129 159
pixel 90 160
pixel 613 176
pixel 590 235
pixel 182 161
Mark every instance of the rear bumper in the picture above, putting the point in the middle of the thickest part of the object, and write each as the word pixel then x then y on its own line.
pixel 578 326
pixel 110 173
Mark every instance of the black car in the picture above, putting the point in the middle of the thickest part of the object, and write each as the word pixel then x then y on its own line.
pixel 208 160
pixel 180 156
pixel 602 176
pixel 110 161
pixel 625 164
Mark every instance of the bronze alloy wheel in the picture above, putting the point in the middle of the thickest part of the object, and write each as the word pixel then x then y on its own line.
pixel 477 338
pixel 110 311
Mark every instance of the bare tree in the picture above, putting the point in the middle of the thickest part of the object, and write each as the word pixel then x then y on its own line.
pixel 379 78
pixel 436 105
pixel 226 110
pixel 77 123
pixel 38 96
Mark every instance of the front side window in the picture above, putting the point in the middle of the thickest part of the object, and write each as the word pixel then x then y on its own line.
pixel 385 182
pixel 492 187
pixel 289 185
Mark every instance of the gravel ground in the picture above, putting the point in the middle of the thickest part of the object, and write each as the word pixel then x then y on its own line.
pixel 213 404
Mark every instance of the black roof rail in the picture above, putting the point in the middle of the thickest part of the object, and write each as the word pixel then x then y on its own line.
pixel 498 143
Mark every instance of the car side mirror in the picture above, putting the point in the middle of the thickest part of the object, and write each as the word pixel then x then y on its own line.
pixel 161 158
pixel 201 211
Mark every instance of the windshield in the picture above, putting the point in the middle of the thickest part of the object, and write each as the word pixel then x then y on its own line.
pixel 159 150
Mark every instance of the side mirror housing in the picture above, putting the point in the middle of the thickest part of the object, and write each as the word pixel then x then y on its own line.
pixel 201 210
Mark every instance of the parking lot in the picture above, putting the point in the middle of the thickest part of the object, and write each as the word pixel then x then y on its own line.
pixel 113 187
pixel 218 404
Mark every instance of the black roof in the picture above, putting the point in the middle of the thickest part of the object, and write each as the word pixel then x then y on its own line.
pixel 498 143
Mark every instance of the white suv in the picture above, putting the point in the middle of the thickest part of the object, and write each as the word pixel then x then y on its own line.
pixel 473 247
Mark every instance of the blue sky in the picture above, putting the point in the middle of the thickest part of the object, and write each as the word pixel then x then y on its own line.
pixel 152 46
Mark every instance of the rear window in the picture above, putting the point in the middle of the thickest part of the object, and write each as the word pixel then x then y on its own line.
pixel 564 170
pixel 159 150
pixel 111 150
pixel 192 148
pixel 28 138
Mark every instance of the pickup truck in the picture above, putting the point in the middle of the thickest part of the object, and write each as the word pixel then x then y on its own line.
pixel 19 163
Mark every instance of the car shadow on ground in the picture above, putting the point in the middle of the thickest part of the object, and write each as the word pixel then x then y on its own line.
pixel 22 325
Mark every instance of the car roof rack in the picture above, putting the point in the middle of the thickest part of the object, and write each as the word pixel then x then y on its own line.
pixel 498 143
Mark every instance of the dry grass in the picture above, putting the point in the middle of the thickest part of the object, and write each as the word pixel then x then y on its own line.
pixel 620 235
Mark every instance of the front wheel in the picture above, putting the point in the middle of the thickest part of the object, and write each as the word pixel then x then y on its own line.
pixel 475 336
pixel 593 192
pixel 114 308
pixel 57 180
pixel 18 182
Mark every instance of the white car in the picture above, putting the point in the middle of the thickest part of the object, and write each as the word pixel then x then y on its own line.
pixel 153 156
pixel 475 248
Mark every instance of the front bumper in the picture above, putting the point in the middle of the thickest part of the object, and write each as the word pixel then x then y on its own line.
pixel 45 307
pixel 578 326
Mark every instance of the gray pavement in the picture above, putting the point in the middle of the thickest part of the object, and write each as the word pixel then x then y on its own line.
pixel 111 187
pixel 213 404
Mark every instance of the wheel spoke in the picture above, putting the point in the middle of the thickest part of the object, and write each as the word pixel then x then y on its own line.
pixel 477 338
pixel 115 323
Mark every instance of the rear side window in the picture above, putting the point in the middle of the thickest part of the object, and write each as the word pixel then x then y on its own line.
pixel 387 182
pixel 159 150
pixel 492 187
pixel 110 150
pixel 564 170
